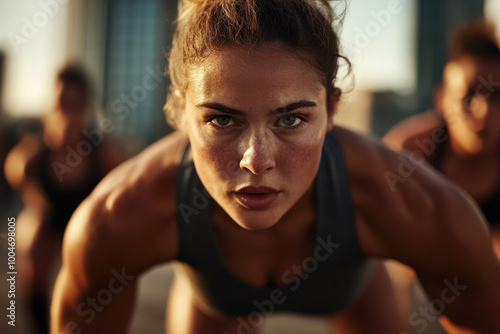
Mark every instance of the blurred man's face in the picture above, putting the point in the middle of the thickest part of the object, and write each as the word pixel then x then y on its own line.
pixel 64 124
pixel 71 99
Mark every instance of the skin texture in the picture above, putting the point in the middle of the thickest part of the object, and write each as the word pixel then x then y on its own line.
pixel 430 224
pixel 470 109
pixel 256 148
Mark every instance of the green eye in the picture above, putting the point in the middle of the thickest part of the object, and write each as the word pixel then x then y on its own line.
pixel 222 120
pixel 290 120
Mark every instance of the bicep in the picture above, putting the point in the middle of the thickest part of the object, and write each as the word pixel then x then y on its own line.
pixel 456 264
pixel 462 234
pixel 101 306
pixel 94 292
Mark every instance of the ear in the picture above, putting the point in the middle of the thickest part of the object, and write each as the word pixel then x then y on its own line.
pixel 333 101
pixel 174 109
pixel 179 99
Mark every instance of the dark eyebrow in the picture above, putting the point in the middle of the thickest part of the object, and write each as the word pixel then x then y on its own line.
pixel 220 107
pixel 293 106
pixel 281 110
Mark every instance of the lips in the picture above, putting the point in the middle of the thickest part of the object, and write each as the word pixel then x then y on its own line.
pixel 256 197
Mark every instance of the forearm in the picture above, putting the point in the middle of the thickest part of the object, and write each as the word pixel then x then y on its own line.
pixel 474 312
pixel 96 311
pixel 464 305
pixel 486 323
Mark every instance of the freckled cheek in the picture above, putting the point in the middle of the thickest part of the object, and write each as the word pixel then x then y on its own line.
pixel 219 160
pixel 299 160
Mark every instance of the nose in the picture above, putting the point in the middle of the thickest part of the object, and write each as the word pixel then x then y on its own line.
pixel 479 108
pixel 257 153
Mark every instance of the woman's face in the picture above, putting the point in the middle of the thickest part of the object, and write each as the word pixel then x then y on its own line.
pixel 470 101
pixel 256 120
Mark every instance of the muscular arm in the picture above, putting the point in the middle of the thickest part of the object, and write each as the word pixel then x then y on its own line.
pixel 126 226
pixel 95 289
pixel 463 277
pixel 431 226
pixel 21 162
pixel 21 168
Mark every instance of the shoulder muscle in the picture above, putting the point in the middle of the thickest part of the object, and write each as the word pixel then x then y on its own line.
pixel 424 216
pixel 129 219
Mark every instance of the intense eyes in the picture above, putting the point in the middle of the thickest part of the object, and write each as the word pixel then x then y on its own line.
pixel 289 121
pixel 222 121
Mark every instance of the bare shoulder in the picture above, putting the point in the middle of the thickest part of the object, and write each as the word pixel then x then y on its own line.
pixel 405 210
pixel 414 133
pixel 129 220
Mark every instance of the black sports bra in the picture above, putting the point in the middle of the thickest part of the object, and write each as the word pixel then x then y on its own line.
pixel 65 201
pixel 335 275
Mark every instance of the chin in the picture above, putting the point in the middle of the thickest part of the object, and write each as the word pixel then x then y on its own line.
pixel 255 221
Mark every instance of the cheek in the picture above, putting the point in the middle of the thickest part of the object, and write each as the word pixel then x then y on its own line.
pixel 300 158
pixel 218 160
pixel 215 156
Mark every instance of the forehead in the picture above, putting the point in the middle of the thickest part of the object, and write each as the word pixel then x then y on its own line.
pixel 262 71
pixel 468 72
pixel 69 89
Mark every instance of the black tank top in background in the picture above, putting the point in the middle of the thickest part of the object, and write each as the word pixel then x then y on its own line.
pixel 64 200
pixel 329 288
pixel 489 207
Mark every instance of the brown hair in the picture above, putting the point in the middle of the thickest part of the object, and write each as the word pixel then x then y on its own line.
pixel 76 75
pixel 475 39
pixel 204 26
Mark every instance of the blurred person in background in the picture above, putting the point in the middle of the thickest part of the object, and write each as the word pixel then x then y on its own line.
pixel 3 154
pixel 53 174
pixel 461 137
pixel 3 137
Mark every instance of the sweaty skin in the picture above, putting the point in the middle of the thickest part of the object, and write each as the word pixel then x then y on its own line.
pixel 469 105
pixel 129 221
